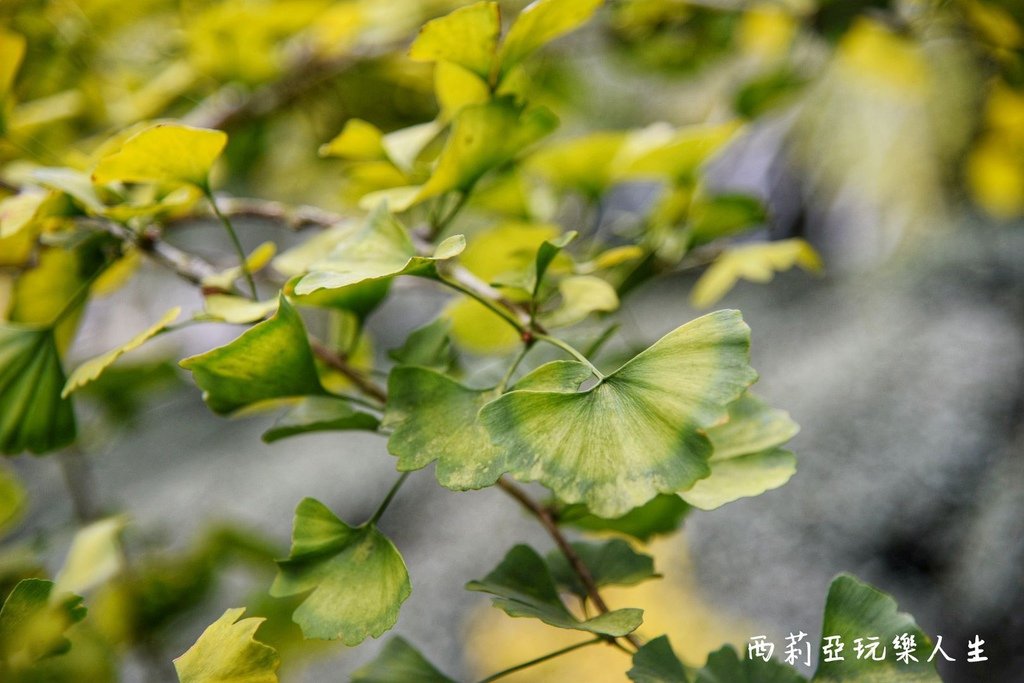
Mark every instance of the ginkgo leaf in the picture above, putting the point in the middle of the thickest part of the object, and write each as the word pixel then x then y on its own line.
pixel 95 556
pixel 853 610
pixel 467 37
pixel 270 360
pixel 723 215
pixel 433 417
pixel 661 515
pixel 655 662
pixel 404 146
pixel 541 22
pixel 581 296
pixel 33 621
pixel 18 213
pixel 228 652
pixel 585 164
pixel 427 347
pixel 163 153
pixel 547 252
pixel 360 299
pixel 678 159
pixel 319 414
pixel 74 184
pixel 484 137
pixel 399 662
pixel 33 415
pixel 725 666
pixel 638 431
pixel 254 262
pixel 236 310
pixel 380 248
pixel 457 87
pixel 507 248
pixel 522 587
pixel 754 262
pixel 12 51
pixel 355 577
pixel 611 563
pixel 91 369
pixel 358 141
pixel 746 460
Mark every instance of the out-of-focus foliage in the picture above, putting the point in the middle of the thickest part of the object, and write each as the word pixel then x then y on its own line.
pixel 539 161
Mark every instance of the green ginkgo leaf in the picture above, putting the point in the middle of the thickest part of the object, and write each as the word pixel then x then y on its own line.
pixel 33 415
pixel 12 499
pixel 523 587
pixel 637 432
pixel 856 610
pixel 611 563
pixel 228 652
pixel 163 153
pixel 484 137
pixel 541 22
pixel 379 248
pixel 581 295
pixel 746 460
pixel 91 369
pixel 355 577
pixel 661 515
pixel 725 666
pixel 33 621
pixel 467 37
pixel 319 414
pixel 399 662
pixel 427 347
pixel 433 417
pixel 271 360
pixel 655 662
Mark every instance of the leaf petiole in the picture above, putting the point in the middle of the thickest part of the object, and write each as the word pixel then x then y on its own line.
pixel 388 498
pixel 239 250
pixel 540 660
pixel 568 348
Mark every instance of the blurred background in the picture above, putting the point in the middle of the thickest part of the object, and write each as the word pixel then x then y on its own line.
pixel 888 134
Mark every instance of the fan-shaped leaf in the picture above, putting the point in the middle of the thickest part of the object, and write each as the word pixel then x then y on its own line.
pixel 163 153
pixel 754 262
pixel 319 414
pixel 355 577
pixel 663 514
pixel 94 557
pixel 467 37
pixel 611 563
pixel 725 666
pixel 541 22
pixel 33 621
pixel 399 662
pixel 523 587
pixel 637 432
pixel 227 652
pixel 655 662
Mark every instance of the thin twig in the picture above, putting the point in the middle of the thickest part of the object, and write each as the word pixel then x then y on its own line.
pixel 336 362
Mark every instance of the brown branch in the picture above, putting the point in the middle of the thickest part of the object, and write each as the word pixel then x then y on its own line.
pixel 290 216
pixel 336 362
pixel 546 520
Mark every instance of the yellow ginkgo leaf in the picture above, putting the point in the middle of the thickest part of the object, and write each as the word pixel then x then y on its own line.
pixel 254 262
pixel 678 158
pixel 585 165
pixel 540 23
pixel 163 153
pixel 358 141
pixel 94 557
pixel 237 310
pixel 228 652
pixel 476 328
pixel 457 87
pixel 467 37
pixel 91 369
pixel 754 262
pixel 12 51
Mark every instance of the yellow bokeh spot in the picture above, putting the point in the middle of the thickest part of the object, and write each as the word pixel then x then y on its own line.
pixel 873 52
pixel 766 31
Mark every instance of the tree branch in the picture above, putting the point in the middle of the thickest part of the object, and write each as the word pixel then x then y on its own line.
pixel 336 362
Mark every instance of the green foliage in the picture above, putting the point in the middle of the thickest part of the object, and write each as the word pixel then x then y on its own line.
pixel 399 662
pixel 523 587
pixel 725 666
pixel 227 652
pixel 610 563
pixel 655 662
pixel 32 624
pixel 355 577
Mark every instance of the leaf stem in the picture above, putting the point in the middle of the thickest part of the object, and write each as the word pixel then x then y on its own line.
pixel 438 226
pixel 488 303
pixel 239 250
pixel 388 498
pixel 568 348
pixel 515 364
pixel 78 297
pixel 541 659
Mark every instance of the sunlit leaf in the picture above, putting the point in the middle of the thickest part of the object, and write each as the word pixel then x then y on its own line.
pixel 655 662
pixel 33 621
pixel 855 610
pixel 18 213
pixel 433 417
pixel 725 666
pixel 163 153
pixel 270 360
pixel 611 563
pixel 679 158
pixel 403 146
pixel 236 310
pixel 663 514
pixel 358 141
pixel 586 164
pixel 484 137
pixel 380 248
pixel 319 414
pixel 91 369
pixel 581 296
pixel 540 23
pixel 12 51
pixel 467 37
pixel 506 248
pixel 754 262
pixel 522 587
pixel 355 577
pixel 227 652
pixel 746 460
pixel 457 87
pixel 399 662
pixel 95 556
pixel 636 433
pixel 33 415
